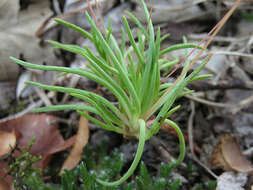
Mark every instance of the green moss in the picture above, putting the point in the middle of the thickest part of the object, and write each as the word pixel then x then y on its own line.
pixel 27 177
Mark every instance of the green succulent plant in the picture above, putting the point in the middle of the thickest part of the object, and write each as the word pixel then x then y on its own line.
pixel 135 83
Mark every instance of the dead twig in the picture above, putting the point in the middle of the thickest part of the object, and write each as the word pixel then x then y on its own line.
pixel 218 38
pixel 23 112
pixel 41 93
pixel 57 7
pixel 221 85
pixel 81 9
pixel 242 104
pixel 32 106
pixel 73 82
pixel 163 150
pixel 209 103
pixel 233 53
pixel 248 152
pixel 100 16
pixel 191 141
pixel 49 23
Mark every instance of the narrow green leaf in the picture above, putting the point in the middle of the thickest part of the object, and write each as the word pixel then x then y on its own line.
pixel 132 41
pixel 201 77
pixel 65 107
pixel 76 91
pixel 136 105
pixel 165 103
pixel 132 72
pixel 116 90
pixel 169 64
pixel 74 27
pixel 68 47
pixel 123 42
pixel 99 123
pixel 197 70
pixel 102 63
pixel 164 37
pixel 141 42
pixel 136 160
pixel 101 109
pixel 138 23
pixel 179 46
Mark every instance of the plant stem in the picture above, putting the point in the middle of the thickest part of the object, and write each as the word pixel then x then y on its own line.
pixel 136 159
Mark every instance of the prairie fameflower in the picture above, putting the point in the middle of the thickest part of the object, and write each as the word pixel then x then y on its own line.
pixel 135 83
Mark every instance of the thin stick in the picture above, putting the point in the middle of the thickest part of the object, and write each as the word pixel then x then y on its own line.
pixel 78 10
pixel 233 53
pixel 214 31
pixel 210 103
pixel 41 93
pixel 190 127
pixel 219 38
pixel 242 104
pixel 191 141
pixel 23 112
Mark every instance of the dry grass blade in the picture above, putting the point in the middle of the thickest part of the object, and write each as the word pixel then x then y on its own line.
pixel 93 13
pixel 100 15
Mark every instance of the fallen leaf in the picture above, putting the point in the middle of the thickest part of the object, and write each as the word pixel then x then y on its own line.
pixel 227 155
pixel 82 138
pixel 8 15
pixel 17 35
pixel 43 128
pixel 8 140
pixel 4 185
pixel 69 142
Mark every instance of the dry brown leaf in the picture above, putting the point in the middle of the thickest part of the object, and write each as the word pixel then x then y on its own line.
pixel 43 128
pixel 227 155
pixel 7 140
pixel 4 185
pixel 17 35
pixel 81 140
pixel 8 15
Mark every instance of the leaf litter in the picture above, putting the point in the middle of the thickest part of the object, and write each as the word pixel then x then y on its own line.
pixel 227 155
pixel 41 127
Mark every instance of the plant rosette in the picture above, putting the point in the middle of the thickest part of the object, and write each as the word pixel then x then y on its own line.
pixel 135 83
